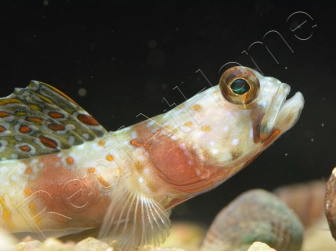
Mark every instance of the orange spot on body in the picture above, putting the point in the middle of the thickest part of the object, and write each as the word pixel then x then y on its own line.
pixel 9 101
pixel 25 148
pixel 35 107
pixel 34 119
pixel 4 114
pixel 109 157
pixel 48 142
pixel 136 144
pixel 20 113
pixel 70 160
pixel 205 128
pixel 32 207
pixel 272 137
pixel 24 129
pixel 103 181
pixel 56 127
pixel 188 124
pixel 2 129
pixel 119 171
pixel 87 119
pixel 28 170
pixel 102 142
pixel 196 107
pixel 27 191
pixel 6 214
pixel 91 170
pixel 55 114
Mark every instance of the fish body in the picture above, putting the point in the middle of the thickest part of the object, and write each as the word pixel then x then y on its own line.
pixel 61 169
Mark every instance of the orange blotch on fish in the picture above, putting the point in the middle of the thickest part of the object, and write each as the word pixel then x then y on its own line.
pixel 70 160
pixel 4 114
pixel 35 107
pixel 25 148
pixel 119 171
pixel 34 212
pixel 139 167
pixel 55 114
pixel 9 101
pixel 32 207
pixel 46 99
pixel 28 170
pixel 87 119
pixel 6 214
pixel 272 137
pixel 103 181
pixel 24 129
pixel 196 107
pixel 206 128
pixel 102 142
pixel 20 113
pixel 91 170
pixel 2 128
pixel 188 124
pixel 109 157
pixel 46 141
pixel 28 191
pixel 56 127
pixel 34 119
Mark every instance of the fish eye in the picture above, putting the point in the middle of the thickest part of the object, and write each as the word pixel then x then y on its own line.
pixel 239 85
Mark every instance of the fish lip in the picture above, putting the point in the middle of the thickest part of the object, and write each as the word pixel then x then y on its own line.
pixel 281 114
pixel 290 112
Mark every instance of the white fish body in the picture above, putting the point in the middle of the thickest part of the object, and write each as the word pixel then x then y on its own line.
pixel 61 169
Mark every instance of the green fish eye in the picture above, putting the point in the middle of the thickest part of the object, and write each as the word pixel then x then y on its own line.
pixel 240 86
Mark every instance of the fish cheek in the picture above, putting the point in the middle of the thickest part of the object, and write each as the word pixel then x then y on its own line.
pixel 172 162
pixel 182 169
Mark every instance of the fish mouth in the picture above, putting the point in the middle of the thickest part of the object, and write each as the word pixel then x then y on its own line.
pixel 281 114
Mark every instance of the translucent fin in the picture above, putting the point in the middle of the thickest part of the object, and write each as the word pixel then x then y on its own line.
pixel 134 219
pixel 40 119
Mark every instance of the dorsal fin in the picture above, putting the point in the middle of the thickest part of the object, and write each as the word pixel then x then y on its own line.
pixel 40 119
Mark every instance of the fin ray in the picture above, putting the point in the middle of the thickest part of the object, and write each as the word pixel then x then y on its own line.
pixel 134 219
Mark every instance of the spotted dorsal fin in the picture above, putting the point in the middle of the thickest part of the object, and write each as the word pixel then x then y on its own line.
pixel 40 119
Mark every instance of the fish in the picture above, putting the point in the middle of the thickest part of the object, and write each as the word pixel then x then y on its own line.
pixel 60 169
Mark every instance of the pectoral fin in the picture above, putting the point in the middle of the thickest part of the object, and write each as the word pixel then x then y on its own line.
pixel 134 219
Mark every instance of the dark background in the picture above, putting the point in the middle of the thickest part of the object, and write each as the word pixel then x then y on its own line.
pixel 127 55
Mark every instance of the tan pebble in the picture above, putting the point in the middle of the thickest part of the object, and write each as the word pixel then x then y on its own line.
pixel 92 244
pixel 29 246
pixel 319 238
pixel 260 246
pixel 185 235
pixel 154 248
pixel 52 244
pixel 28 238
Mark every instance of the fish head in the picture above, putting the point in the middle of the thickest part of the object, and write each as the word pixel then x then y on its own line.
pixel 261 99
